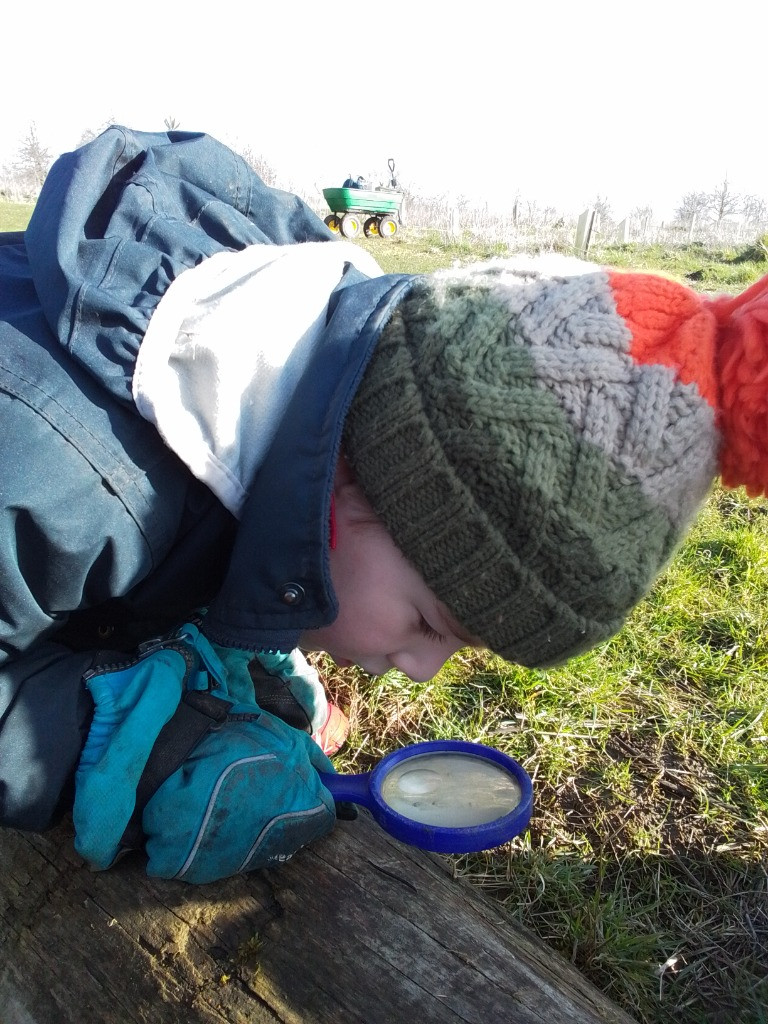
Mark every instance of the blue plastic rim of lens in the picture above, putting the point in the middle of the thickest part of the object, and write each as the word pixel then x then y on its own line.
pixel 443 839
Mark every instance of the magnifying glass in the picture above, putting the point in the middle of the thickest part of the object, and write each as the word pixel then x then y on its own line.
pixel 447 796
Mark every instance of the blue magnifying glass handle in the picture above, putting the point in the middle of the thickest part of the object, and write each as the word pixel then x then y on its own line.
pixel 447 796
pixel 355 789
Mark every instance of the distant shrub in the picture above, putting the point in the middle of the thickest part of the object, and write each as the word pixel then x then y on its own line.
pixel 757 253
pixel 737 273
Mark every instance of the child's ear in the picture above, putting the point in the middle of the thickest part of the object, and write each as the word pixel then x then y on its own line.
pixel 350 504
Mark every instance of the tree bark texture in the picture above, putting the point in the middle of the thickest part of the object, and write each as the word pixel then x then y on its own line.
pixel 357 929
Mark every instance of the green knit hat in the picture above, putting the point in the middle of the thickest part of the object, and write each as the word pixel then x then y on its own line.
pixel 534 467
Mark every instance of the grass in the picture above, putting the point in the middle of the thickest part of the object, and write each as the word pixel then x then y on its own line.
pixel 14 216
pixel 709 269
pixel 646 862
pixel 421 253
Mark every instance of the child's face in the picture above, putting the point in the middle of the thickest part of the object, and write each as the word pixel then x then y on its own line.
pixel 388 617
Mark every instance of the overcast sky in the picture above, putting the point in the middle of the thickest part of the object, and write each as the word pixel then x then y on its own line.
pixel 550 101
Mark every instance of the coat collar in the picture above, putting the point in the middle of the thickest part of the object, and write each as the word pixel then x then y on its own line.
pixel 278 582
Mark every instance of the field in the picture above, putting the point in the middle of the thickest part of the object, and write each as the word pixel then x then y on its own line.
pixel 14 216
pixel 646 862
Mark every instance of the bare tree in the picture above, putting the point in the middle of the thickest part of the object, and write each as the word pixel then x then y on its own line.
pixel 691 206
pixel 723 201
pixel 755 211
pixel 31 165
pixel 172 124
pixel 642 218
pixel 604 221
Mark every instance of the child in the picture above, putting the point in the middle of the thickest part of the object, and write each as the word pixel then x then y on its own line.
pixel 222 446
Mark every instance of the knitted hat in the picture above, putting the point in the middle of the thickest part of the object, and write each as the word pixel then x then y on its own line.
pixel 536 444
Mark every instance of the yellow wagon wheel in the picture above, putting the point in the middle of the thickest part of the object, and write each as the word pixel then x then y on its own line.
pixel 350 225
pixel 371 227
pixel 332 221
pixel 387 227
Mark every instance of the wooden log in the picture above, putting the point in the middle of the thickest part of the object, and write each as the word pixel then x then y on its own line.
pixel 357 929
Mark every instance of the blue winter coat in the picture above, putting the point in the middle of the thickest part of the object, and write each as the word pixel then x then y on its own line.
pixel 106 539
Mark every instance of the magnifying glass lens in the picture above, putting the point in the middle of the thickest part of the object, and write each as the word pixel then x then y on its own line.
pixel 450 789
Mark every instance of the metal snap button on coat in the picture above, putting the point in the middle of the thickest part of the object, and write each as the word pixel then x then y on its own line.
pixel 292 593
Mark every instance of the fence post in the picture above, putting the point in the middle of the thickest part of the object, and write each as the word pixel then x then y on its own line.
pixel 455 228
pixel 584 230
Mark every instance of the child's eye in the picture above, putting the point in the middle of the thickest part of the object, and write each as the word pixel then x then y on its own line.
pixel 430 632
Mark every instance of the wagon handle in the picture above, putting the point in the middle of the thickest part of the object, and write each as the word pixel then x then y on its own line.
pixel 392 178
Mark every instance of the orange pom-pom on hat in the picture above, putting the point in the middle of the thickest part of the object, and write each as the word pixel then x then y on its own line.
pixel 742 324
pixel 721 346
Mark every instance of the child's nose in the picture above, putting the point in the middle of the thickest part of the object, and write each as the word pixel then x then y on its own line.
pixel 421 665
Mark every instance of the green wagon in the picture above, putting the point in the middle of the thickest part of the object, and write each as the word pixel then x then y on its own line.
pixel 374 211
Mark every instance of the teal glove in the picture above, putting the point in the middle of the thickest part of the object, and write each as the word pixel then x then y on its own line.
pixel 213 784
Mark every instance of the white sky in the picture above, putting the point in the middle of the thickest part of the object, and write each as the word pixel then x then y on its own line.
pixel 553 101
